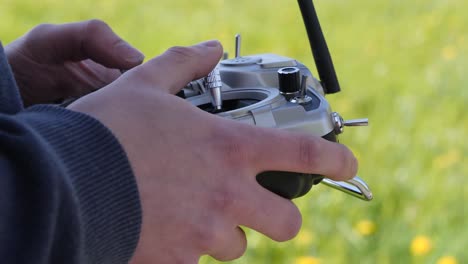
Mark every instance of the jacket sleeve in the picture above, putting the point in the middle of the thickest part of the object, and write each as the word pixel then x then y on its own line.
pixel 67 191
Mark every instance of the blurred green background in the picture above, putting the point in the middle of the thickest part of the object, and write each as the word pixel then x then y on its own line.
pixel 403 64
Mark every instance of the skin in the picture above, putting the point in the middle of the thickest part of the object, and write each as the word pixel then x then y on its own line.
pixel 55 62
pixel 196 171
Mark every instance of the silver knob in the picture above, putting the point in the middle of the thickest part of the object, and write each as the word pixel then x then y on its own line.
pixel 213 83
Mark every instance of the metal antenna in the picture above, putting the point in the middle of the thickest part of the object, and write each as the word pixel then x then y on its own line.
pixel 238 45
pixel 319 47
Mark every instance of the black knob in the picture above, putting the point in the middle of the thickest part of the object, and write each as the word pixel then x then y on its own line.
pixel 289 81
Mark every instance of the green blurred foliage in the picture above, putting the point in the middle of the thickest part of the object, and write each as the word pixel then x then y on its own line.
pixel 403 64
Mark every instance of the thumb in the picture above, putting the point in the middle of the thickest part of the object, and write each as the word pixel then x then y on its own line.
pixel 92 39
pixel 176 67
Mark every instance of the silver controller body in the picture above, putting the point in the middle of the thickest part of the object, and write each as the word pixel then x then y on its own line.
pixel 252 81
pixel 250 92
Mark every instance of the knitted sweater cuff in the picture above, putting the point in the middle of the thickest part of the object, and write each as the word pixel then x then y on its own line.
pixel 102 180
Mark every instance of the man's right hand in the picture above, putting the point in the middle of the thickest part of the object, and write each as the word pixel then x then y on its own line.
pixel 196 172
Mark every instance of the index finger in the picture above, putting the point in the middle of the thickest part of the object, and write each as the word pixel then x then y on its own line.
pixel 176 67
pixel 279 150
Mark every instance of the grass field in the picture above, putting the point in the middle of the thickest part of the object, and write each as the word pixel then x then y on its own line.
pixel 403 64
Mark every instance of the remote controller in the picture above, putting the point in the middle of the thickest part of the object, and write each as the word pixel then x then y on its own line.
pixel 270 90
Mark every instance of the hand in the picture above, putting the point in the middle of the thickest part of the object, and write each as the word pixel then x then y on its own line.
pixel 196 171
pixel 55 62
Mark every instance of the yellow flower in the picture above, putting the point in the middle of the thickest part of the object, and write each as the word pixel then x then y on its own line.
pixel 307 260
pixel 447 260
pixel 421 245
pixel 447 159
pixel 365 227
pixel 449 53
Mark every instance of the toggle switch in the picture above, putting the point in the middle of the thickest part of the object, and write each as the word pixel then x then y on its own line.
pixel 339 123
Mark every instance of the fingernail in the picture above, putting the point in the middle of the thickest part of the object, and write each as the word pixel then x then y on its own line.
pixel 211 43
pixel 129 53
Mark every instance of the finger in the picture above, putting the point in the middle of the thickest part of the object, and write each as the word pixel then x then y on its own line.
pixel 272 149
pixel 269 214
pixel 232 245
pixel 178 66
pixel 87 77
pixel 92 39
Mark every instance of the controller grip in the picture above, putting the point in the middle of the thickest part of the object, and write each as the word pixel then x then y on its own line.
pixel 291 185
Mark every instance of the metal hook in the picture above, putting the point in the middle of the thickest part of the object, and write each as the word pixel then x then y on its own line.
pixel 355 187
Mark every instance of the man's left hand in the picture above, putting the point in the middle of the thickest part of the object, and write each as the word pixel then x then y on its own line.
pixel 55 62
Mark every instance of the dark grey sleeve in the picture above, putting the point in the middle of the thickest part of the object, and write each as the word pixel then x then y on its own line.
pixel 67 191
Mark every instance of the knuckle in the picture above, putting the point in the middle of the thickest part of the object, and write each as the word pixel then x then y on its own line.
pixel 92 30
pixel 225 200
pixel 309 151
pixel 182 54
pixel 231 147
pixel 41 28
pixel 235 151
pixel 34 39
pixel 95 26
pixel 38 31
